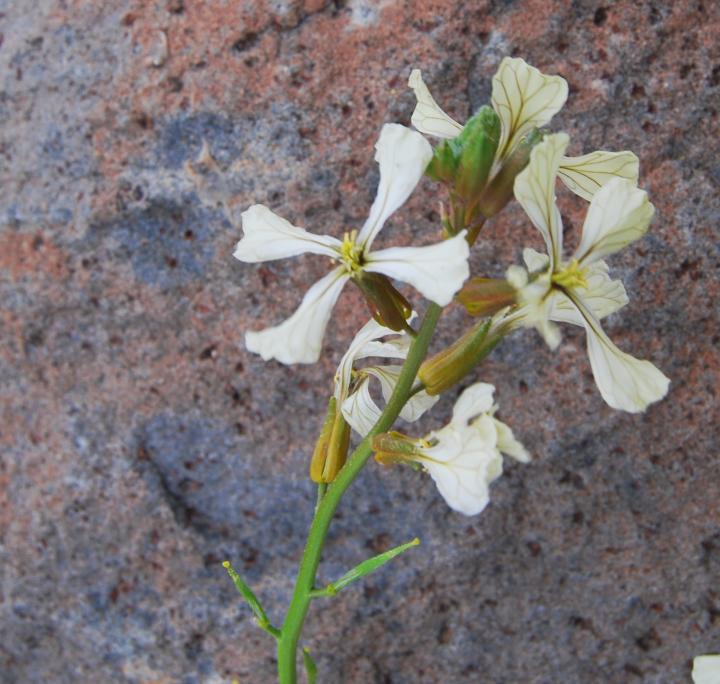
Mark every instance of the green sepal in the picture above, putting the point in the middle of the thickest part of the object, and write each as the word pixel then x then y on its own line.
pixel 486 296
pixel 387 306
pixel 445 161
pixel 319 457
pixel 252 601
pixel 394 447
pixel 363 569
pixel 452 364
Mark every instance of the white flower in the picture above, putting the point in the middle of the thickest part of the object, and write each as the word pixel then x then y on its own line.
pixel 580 291
pixel 464 457
pixel 352 386
pixel 436 271
pixel 706 669
pixel 524 99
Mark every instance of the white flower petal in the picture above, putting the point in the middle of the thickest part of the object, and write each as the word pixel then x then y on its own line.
pixel 395 348
pixel 387 375
pixel 603 297
pixel 390 349
pixel 436 271
pixel 517 276
pixel 415 406
pixel 619 214
pixel 463 467
pixel 524 99
pixel 508 444
pixel 535 261
pixel 706 669
pixel 485 433
pixel 474 400
pixel 428 118
pixel 535 190
pixel 625 383
pixel 587 174
pixel 360 410
pixel 299 338
pixel 268 236
pixel 403 156
pixel 366 336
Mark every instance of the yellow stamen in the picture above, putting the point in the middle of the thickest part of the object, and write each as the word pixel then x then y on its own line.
pixel 573 275
pixel 351 252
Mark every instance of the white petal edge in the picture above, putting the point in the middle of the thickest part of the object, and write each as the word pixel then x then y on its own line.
pixel 267 236
pixel 370 332
pixel 524 98
pixel 619 214
pixel 585 175
pixel 403 156
pixel 535 261
pixel 474 400
pixel 436 271
pixel 508 443
pixel 360 410
pixel 625 383
pixel 706 669
pixel 299 338
pixel 535 190
pixel 428 117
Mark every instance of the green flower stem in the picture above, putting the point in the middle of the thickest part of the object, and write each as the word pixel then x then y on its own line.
pixel 304 585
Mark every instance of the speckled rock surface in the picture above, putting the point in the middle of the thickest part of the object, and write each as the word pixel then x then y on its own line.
pixel 141 445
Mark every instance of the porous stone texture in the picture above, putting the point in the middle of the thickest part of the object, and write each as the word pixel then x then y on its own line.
pixel 142 445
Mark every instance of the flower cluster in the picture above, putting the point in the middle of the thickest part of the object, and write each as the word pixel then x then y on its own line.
pixel 499 153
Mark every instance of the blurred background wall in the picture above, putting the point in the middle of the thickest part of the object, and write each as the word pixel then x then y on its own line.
pixel 141 445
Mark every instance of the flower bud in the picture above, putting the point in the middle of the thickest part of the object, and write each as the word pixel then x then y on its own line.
pixel 478 140
pixel 464 164
pixel 486 296
pixel 331 447
pixel 387 306
pixel 442 371
pixel 500 189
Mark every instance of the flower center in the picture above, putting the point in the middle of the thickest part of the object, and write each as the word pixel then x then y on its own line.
pixel 351 253
pixel 573 275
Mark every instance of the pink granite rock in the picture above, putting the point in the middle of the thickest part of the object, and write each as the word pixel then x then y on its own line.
pixel 140 445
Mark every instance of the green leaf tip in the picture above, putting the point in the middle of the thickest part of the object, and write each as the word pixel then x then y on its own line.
pixel 310 666
pixel 252 601
pixel 363 569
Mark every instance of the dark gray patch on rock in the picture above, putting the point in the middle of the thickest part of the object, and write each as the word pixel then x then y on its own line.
pixel 168 243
